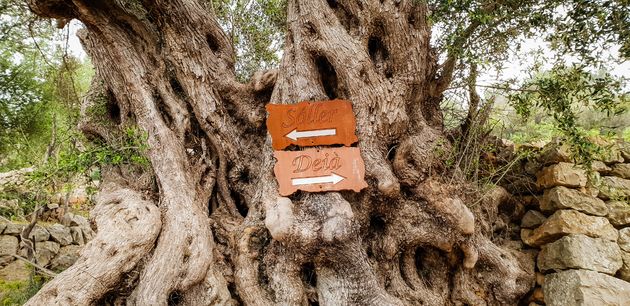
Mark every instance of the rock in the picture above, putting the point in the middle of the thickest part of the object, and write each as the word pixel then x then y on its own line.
pixel 88 233
pixel 532 219
pixel 39 233
pixel 3 225
pixel 555 152
pixel 77 235
pixel 533 146
pixel 562 197
pixel 60 234
pixel 599 166
pixel 618 213
pixel 76 220
pixel 566 222
pixel 580 252
pixel 624 272
pixel 13 229
pixel 52 206
pixel 66 257
pixel 613 187
pixel 562 174
pixel 525 233
pixel 15 271
pixel 8 248
pixel 621 170
pixel 46 251
pixel 585 288
pixel 624 239
pixel 8 245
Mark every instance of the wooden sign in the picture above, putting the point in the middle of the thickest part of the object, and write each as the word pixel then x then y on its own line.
pixel 311 124
pixel 317 170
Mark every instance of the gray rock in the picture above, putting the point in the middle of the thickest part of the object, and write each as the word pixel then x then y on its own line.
pixel 8 248
pixel 566 222
pixel 8 245
pixel 624 239
pixel 599 166
pixel 618 213
pixel 613 187
pixel 621 170
pixel 76 220
pixel 585 288
pixel 624 272
pixel 562 174
pixel 39 233
pixel 60 234
pixel 3 225
pixel 77 235
pixel 88 234
pixel 532 219
pixel 562 198
pixel 580 252
pixel 555 152
pixel 15 271
pixel 66 257
pixel 13 229
pixel 46 251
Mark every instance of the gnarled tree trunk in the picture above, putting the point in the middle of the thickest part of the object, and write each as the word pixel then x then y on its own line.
pixel 212 229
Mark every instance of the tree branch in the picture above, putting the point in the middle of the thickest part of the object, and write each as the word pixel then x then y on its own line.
pixel 46 271
pixel 448 67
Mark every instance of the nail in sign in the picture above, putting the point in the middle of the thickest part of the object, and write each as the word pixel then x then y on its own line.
pixel 317 170
pixel 311 124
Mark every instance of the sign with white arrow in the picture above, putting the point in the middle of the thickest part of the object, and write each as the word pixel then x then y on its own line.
pixel 295 135
pixel 316 170
pixel 333 179
pixel 311 124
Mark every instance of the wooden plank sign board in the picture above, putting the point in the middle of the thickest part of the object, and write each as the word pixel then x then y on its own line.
pixel 317 170
pixel 311 124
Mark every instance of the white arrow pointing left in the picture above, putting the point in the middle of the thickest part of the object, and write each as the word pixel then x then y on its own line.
pixel 312 133
pixel 333 178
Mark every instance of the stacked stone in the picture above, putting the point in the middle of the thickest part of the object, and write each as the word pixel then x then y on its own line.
pixel 582 228
pixel 57 246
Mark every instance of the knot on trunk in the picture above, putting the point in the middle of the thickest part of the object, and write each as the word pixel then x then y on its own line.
pixel 320 219
pixel 420 157
pixel 264 80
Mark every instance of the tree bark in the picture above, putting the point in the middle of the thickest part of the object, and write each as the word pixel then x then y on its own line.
pixel 213 230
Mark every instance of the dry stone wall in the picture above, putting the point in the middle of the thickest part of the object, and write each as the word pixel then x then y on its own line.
pixel 56 246
pixel 579 227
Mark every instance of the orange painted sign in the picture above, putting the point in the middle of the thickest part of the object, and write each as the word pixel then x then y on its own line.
pixel 311 124
pixel 316 170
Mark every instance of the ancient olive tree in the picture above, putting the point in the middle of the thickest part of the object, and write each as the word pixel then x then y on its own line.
pixel 206 226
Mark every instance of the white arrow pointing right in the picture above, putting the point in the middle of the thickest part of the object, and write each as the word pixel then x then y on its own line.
pixel 333 178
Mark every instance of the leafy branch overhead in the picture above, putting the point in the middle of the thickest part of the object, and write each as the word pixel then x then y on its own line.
pixel 563 92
